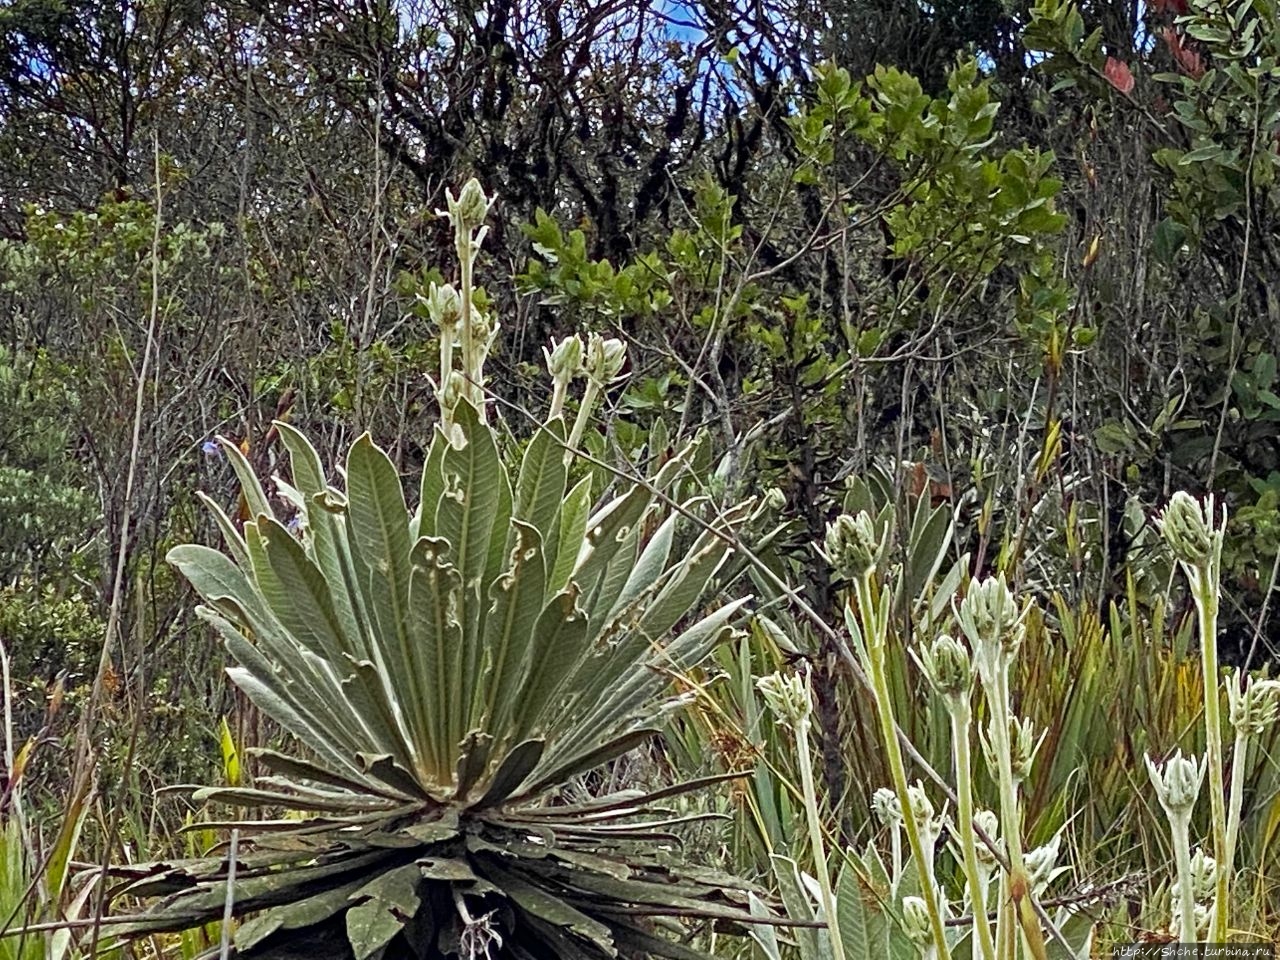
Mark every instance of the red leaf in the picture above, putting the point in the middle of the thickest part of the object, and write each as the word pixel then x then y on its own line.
pixel 1118 75
pixel 1176 7
pixel 1188 60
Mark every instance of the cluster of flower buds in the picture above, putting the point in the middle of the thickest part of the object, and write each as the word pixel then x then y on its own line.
pixel 852 545
pixel 787 696
pixel 1254 708
pixel 1177 784
pixel 598 359
pixel 1042 864
pixel 1204 873
pixel 990 618
pixel 916 923
pixel 948 669
pixel 887 807
pixel 468 211
pixel 990 825
pixel 1187 526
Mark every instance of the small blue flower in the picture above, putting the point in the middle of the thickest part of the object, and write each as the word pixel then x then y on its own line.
pixel 210 448
pixel 295 522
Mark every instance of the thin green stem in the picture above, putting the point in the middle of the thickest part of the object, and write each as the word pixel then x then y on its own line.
pixel 961 719
pixel 816 843
pixel 1011 817
pixel 473 389
pixel 874 641
pixel 1186 896
pixel 1204 582
pixel 584 414
pixel 1239 756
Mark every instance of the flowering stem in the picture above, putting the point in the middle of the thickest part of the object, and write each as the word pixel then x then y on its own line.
pixel 584 413
pixel 1186 895
pixel 559 391
pixel 1239 754
pixel 961 718
pixel 1011 817
pixel 815 838
pixel 1204 581
pixel 473 388
pixel 874 640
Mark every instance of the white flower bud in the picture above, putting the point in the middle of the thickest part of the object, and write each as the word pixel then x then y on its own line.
pixel 915 920
pixel 947 667
pixel 886 806
pixel 787 696
pixel 1204 873
pixel 1023 745
pixel 1177 784
pixel 444 305
pixel 1040 864
pixel 470 207
pixel 990 618
pixel 564 359
pixel 990 824
pixel 1254 709
pixel 1187 527
pixel 604 358
pixel 852 546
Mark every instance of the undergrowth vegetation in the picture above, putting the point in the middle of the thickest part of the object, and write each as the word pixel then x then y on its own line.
pixel 716 495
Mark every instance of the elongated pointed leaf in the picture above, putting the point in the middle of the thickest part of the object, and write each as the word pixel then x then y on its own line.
pixel 230 533
pixel 558 647
pixel 513 771
pixel 540 491
pixel 517 598
pixel 378 522
pixel 466 516
pixel 571 528
pixel 255 497
pixel 431 488
pixel 435 589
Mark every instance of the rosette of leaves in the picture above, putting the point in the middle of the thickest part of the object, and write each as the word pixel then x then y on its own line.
pixel 445 673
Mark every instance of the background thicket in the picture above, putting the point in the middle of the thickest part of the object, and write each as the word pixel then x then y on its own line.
pixel 1016 262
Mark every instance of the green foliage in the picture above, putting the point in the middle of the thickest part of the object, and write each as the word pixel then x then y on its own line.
pixel 15 874
pixel 450 671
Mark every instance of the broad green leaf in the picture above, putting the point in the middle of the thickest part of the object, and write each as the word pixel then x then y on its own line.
pixel 230 534
pixel 540 491
pixel 851 914
pixel 468 510
pixel 517 598
pixel 383 907
pixel 434 591
pixel 432 487
pixel 378 522
pixel 571 528
pixel 299 596
pixel 295 916
pixel 606 532
pixel 558 647
pixel 548 908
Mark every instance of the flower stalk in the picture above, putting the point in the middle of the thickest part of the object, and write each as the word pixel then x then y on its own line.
pixel 990 618
pixel 474 335
pixel 1252 707
pixel 949 670
pixel 1195 538
pixel 1177 785
pixel 791 701
pixel 854 548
